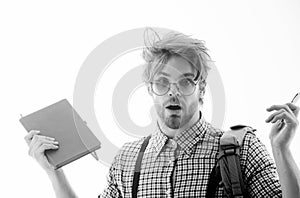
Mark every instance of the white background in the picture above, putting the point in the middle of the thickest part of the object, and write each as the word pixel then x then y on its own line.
pixel 43 44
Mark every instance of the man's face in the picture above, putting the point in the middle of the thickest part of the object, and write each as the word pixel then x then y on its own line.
pixel 173 108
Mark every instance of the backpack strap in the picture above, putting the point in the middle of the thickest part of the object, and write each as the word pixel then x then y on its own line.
pixel 229 161
pixel 213 182
pixel 228 169
pixel 137 169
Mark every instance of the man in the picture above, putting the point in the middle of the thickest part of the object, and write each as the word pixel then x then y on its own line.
pixel 182 151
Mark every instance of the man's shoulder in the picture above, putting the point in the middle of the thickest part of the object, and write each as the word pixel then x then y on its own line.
pixel 130 150
pixel 133 146
pixel 218 132
pixel 214 131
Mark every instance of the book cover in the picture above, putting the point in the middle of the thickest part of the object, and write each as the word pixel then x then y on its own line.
pixel 61 121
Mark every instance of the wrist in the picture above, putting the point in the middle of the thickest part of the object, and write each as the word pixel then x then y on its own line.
pixel 54 173
pixel 280 145
pixel 279 149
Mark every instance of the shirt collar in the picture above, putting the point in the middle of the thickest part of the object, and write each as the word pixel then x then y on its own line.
pixel 186 139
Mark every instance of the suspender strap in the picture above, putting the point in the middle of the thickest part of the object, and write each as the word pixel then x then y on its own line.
pixel 213 182
pixel 137 169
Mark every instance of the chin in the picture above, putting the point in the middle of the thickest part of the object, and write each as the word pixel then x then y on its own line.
pixel 173 121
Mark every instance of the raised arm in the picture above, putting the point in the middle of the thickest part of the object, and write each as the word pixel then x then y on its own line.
pixel 285 123
pixel 37 146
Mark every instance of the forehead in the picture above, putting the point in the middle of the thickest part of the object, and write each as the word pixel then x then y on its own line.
pixel 176 67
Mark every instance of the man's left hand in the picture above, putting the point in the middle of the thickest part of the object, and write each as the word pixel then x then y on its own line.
pixel 285 124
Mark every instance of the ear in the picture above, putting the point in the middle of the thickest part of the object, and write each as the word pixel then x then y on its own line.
pixel 201 91
pixel 149 89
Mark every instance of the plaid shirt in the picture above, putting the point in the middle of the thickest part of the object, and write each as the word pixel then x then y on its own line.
pixel 181 167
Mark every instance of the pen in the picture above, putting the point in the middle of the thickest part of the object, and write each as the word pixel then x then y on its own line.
pixel 294 100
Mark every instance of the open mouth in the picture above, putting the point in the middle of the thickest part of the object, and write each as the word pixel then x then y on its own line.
pixel 173 107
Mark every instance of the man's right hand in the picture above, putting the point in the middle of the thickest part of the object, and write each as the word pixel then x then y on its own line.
pixel 38 144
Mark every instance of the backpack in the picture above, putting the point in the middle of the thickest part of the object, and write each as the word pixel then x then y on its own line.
pixel 227 171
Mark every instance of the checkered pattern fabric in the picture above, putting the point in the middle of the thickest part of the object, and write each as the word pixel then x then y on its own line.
pixel 181 167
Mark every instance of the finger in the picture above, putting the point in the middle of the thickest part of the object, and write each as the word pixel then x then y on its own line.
pixel 278 107
pixel 46 146
pixel 37 142
pixel 35 148
pixel 41 138
pixel 40 150
pixel 284 115
pixel 30 135
pixel 294 108
pixel 274 114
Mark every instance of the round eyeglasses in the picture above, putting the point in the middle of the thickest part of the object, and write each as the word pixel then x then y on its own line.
pixel 185 86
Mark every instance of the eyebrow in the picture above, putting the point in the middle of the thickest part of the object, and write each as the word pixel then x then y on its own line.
pixel 185 74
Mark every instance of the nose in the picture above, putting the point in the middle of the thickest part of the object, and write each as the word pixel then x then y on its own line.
pixel 173 91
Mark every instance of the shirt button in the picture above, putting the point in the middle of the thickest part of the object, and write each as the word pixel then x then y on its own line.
pixel 172 143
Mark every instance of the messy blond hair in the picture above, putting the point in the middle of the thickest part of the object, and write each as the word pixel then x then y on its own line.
pixel 157 52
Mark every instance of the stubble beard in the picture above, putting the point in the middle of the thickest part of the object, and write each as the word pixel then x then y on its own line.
pixel 173 121
pixel 176 121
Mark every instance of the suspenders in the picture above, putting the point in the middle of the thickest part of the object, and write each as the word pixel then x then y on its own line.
pixel 137 169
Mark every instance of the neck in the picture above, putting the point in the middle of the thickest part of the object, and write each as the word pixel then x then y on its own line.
pixel 171 133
